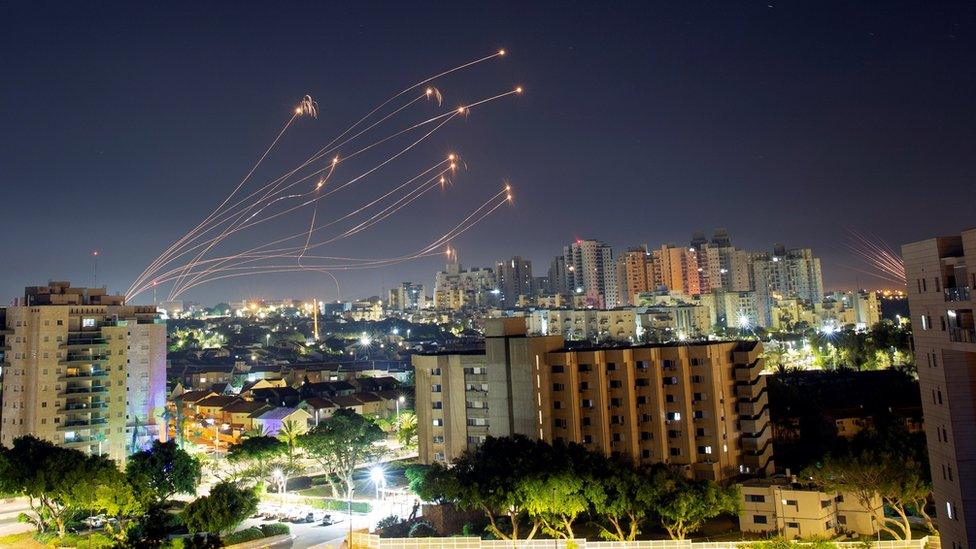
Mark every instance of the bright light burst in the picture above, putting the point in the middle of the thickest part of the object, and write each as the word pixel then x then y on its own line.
pixel 878 258
pixel 379 139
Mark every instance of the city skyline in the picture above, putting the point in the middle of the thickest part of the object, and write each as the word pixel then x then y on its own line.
pixel 669 132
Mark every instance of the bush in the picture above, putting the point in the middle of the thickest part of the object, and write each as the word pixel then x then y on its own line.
pixel 241 536
pixel 256 532
pixel 422 529
pixel 386 522
pixel 275 529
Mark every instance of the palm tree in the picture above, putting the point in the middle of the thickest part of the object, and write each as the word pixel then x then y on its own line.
pixel 289 433
pixel 407 428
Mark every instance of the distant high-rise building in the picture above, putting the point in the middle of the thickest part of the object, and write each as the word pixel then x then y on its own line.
pixel 590 271
pixel 558 279
pixel 941 275
pixel 634 275
pixel 513 278
pixel 720 265
pixel 785 273
pixel 676 268
pixel 408 296
pixel 83 370
pixel 456 288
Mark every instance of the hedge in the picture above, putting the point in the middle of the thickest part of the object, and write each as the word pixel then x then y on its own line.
pixel 340 505
pixel 256 532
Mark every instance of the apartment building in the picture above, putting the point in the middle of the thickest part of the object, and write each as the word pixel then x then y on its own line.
pixel 83 370
pixel 447 384
pixel 702 406
pixel 590 271
pixel 941 273
pixel 780 506
pixel 635 275
pixel 513 278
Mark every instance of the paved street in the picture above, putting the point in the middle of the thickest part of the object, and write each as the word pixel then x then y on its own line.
pixel 9 510
pixel 316 535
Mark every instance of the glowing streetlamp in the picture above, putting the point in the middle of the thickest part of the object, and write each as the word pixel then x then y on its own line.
pixel 378 476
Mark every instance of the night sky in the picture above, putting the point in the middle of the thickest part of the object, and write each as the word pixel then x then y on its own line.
pixel 123 125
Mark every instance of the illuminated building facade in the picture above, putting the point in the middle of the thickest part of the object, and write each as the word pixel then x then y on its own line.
pixel 635 275
pixel 701 406
pixel 513 278
pixel 83 370
pixel 408 296
pixel 941 273
pixel 590 271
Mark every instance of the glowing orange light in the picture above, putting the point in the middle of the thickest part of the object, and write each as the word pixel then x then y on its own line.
pixel 298 111
pixel 460 110
pixel 450 156
pixel 501 52
pixel 335 160
pixel 518 89
pixel 429 91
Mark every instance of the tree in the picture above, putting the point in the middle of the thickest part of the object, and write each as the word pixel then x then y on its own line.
pixel 162 471
pixel 222 510
pixel 628 496
pixel 897 479
pixel 340 444
pixel 433 482
pixel 254 456
pixel 406 428
pixel 58 482
pixel 685 505
pixel 492 478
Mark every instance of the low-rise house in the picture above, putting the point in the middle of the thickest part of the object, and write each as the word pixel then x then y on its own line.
pixel 261 384
pixel 277 396
pixel 376 384
pixel 238 414
pixel 270 421
pixel 348 403
pixel 779 506
pixel 372 404
pixel 213 407
pixel 319 408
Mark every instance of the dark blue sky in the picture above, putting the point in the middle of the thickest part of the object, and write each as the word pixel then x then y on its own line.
pixel 124 124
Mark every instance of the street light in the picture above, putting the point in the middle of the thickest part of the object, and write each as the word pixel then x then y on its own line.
pixel 399 401
pixel 279 477
pixel 378 477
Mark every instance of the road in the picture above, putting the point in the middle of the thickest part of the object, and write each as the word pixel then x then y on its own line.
pixel 307 536
pixel 9 510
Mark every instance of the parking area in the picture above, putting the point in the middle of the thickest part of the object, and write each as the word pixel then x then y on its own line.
pixel 307 531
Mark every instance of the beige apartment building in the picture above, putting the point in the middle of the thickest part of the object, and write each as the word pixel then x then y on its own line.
pixel 779 506
pixel 941 273
pixel 83 370
pixel 700 406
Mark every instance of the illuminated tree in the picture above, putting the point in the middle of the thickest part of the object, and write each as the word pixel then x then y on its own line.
pixel 162 471
pixel 341 443
pixel 686 505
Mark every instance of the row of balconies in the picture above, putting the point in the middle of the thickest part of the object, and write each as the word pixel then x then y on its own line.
pixel 94 389
pixel 82 423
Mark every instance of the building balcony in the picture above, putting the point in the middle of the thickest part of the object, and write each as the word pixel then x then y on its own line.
pixel 81 376
pixel 81 342
pixel 82 407
pixel 959 293
pixel 82 424
pixel 84 390
pixel 76 360
pixel 962 335
pixel 74 442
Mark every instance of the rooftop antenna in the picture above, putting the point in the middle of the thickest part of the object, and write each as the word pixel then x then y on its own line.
pixel 94 268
